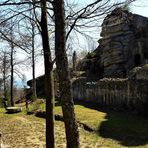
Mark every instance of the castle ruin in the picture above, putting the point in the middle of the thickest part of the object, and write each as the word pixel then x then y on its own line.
pixel 123 45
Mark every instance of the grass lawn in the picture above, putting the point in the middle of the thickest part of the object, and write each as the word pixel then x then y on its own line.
pixel 112 129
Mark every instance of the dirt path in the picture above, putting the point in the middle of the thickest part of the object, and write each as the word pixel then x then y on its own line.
pixel 21 132
pixel 28 131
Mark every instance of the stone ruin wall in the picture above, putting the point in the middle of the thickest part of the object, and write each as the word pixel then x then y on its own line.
pixel 122 52
pixel 123 45
pixel 115 93
pixel 115 43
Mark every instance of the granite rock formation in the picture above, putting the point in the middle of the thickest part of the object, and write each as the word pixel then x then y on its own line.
pixel 123 45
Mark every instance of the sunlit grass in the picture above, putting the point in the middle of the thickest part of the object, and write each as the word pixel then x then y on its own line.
pixel 112 129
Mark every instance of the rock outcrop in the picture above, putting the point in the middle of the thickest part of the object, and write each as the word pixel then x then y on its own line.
pixel 123 45
pixel 39 87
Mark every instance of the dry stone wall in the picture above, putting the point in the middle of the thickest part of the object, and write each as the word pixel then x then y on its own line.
pixel 116 93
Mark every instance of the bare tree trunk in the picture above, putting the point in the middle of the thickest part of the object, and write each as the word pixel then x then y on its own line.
pixel 4 75
pixel 71 127
pixel 12 69
pixel 74 60
pixel 33 63
pixel 49 86
pixel 33 53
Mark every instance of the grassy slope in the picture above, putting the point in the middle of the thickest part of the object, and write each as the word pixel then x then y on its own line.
pixel 115 130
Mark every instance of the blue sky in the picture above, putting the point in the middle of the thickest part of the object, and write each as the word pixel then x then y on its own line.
pixel 138 7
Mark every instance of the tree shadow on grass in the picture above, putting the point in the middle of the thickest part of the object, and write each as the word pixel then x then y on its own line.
pixel 127 129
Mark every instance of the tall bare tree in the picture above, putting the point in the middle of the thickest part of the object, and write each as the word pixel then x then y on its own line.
pixel 12 67
pixel 5 70
pixel 71 127
pixel 74 60
pixel 33 63
pixel 33 52
pixel 49 86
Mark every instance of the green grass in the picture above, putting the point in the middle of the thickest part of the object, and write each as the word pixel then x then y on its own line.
pixel 112 129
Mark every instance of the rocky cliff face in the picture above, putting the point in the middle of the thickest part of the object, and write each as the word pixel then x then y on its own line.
pixel 123 44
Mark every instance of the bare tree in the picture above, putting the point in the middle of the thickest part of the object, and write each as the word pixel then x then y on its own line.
pixel 49 87
pixel 71 127
pixel 12 68
pixel 74 60
pixel 33 62
pixel 33 25
pixel 5 70
pixel 43 26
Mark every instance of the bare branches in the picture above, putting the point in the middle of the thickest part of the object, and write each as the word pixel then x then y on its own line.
pixel 8 3
pixel 13 16
pixel 91 13
pixel 5 37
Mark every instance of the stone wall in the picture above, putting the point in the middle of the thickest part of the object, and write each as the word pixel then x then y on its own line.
pixel 116 93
